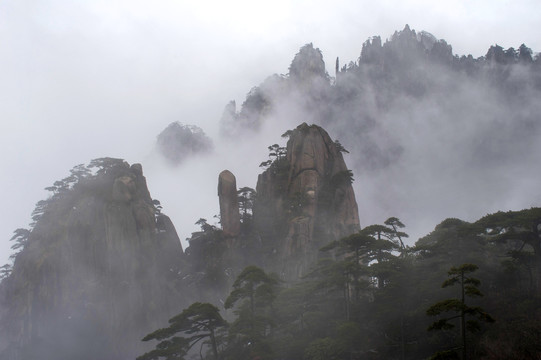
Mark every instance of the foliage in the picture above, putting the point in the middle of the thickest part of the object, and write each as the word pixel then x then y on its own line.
pixel 205 226
pixel 396 224
pixel 254 286
pixel 458 308
pixel 252 296
pixel 5 271
pixel 206 258
pixel 246 198
pixel 340 147
pixel 199 322
pixel 106 164
pixel 373 246
pixel 20 236
pixel 322 349
pixel 277 155
pixel 519 233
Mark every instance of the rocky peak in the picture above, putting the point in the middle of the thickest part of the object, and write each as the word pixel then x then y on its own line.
pixel 371 52
pixel 305 199
pixel 307 64
pixel 318 172
pixel 96 268
pixel 405 36
pixel 426 39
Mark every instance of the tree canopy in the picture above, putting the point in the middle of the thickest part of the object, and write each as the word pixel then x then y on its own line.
pixel 198 322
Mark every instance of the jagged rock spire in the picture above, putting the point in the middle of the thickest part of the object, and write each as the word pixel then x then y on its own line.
pixel 305 199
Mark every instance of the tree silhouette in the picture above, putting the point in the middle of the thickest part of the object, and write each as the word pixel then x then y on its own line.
pixel 5 271
pixel 340 147
pixel 468 287
pixel 252 296
pixel 198 322
pixel 246 197
pixel 20 236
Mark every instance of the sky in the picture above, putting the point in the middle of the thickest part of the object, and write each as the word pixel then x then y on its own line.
pixel 88 79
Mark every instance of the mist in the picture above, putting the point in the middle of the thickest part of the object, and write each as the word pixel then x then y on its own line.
pixel 466 153
pixel 92 79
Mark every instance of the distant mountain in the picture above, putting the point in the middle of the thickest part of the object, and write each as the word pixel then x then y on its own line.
pixel 391 80
pixel 178 142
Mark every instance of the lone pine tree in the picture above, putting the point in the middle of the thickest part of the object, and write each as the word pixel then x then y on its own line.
pixel 468 287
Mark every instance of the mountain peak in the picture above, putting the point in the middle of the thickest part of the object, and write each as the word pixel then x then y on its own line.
pixel 307 63
pixel 304 199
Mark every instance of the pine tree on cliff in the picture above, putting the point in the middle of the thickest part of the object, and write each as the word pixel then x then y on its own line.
pixel 200 322
pixel 246 196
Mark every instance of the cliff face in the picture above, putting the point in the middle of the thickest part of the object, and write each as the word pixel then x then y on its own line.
pixel 93 276
pixel 305 199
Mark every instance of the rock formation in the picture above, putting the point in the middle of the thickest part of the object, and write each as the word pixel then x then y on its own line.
pixel 96 273
pixel 305 199
pixel 229 204
pixel 307 64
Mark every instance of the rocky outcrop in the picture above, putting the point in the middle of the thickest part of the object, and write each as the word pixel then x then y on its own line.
pixel 319 175
pixel 97 271
pixel 307 64
pixel 229 204
pixel 305 199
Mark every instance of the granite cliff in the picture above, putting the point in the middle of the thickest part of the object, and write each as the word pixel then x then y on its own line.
pixel 303 200
pixel 97 270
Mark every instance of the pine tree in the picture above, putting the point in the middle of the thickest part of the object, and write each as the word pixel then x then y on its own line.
pixel 468 287
pixel 199 322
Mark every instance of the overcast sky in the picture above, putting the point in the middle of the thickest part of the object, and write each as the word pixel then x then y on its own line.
pixel 86 79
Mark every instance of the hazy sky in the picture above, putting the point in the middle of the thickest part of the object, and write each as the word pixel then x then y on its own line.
pixel 86 79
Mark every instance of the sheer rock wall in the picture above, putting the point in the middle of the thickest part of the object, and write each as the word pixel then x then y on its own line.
pixel 95 275
pixel 304 200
